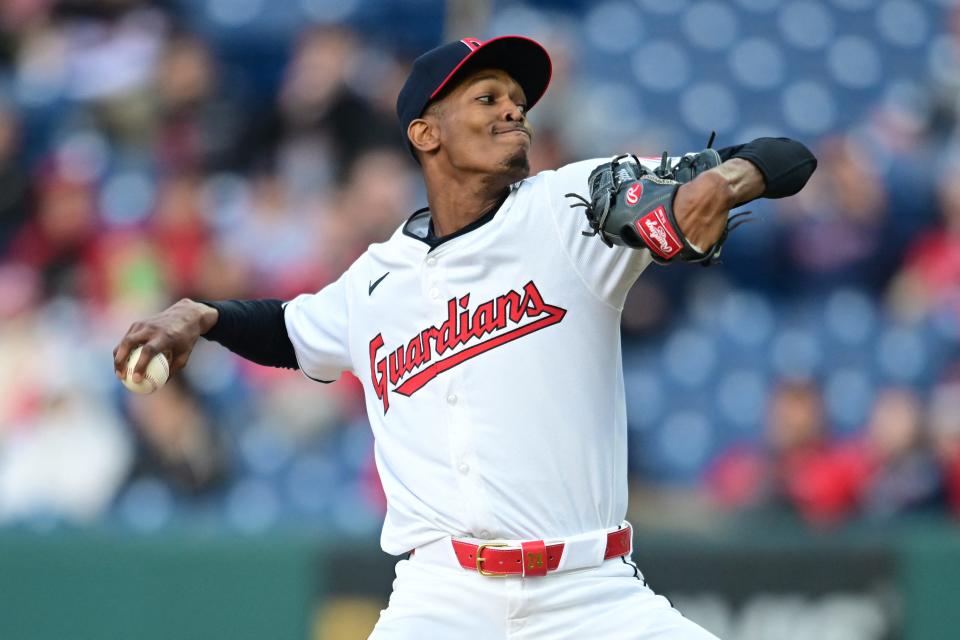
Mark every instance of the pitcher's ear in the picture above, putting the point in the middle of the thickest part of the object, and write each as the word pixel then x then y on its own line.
pixel 424 134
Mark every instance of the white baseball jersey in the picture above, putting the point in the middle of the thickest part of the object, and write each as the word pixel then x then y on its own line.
pixel 491 367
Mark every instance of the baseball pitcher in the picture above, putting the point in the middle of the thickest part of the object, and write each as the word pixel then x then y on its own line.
pixel 486 333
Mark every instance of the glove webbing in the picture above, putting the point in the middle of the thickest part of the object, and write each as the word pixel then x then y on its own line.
pixel 597 225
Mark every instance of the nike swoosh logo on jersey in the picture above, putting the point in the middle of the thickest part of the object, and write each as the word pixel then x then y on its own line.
pixel 373 285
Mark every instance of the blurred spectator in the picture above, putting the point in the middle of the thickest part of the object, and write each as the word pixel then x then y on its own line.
pixel 64 459
pixel 17 16
pixel 60 237
pixel 197 128
pixel 175 440
pixel 944 420
pixel 319 124
pixel 222 276
pixel 63 450
pixel 930 278
pixel 14 187
pixel 945 111
pixel 904 477
pixel 180 234
pixel 800 470
pixel 810 473
pixel 837 231
pixel 274 238
pixel 376 197
pixel 128 273
pixel 109 51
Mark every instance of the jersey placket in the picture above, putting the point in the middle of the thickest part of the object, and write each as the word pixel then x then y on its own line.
pixel 433 285
pixel 465 465
pixel 474 503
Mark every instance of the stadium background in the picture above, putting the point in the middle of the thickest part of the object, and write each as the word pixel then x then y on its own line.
pixel 794 412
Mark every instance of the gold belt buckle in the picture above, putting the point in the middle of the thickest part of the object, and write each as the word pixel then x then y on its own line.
pixel 480 560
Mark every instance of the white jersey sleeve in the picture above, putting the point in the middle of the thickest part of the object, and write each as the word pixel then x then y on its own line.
pixel 318 325
pixel 608 272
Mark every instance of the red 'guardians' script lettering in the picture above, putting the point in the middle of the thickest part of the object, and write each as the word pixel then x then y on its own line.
pixel 503 319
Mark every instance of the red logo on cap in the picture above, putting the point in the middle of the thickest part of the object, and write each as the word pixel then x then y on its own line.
pixel 473 43
pixel 634 193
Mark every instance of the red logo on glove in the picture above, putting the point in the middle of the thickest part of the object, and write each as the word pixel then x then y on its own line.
pixel 634 193
pixel 656 231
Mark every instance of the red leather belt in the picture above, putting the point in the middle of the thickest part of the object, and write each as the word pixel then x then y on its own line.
pixel 533 558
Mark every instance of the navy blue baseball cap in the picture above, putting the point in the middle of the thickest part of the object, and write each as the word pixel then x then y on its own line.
pixel 524 59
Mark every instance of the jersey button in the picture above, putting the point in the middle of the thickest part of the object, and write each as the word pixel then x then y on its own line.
pixel 463 468
pixel 434 293
pixel 452 399
pixel 484 534
pixel 431 262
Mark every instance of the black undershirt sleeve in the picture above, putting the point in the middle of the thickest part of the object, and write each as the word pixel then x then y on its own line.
pixel 255 330
pixel 785 164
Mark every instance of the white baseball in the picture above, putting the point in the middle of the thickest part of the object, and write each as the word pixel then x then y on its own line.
pixel 158 370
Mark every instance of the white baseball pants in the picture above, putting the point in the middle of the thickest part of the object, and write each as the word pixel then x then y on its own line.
pixel 607 602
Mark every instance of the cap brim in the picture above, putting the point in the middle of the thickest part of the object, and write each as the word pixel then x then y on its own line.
pixel 524 59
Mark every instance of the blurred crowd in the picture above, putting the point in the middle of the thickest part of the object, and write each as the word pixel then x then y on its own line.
pixel 139 165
